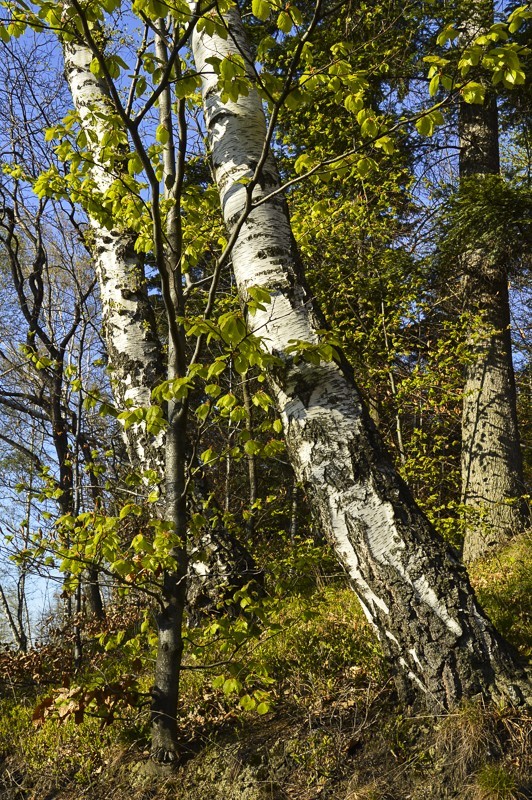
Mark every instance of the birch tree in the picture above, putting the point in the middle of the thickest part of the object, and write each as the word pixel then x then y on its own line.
pixel 412 588
pixel 161 447
pixel 133 347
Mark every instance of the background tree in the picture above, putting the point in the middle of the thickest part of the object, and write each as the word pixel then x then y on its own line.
pixel 492 473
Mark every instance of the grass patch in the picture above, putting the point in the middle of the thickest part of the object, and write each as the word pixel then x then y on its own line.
pixel 503 584
pixel 332 725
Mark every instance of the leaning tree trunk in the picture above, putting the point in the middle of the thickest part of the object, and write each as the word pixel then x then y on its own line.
pixel 492 472
pixel 411 586
pixel 133 348
pixel 134 351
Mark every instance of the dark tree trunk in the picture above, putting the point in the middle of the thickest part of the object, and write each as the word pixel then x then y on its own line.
pixel 93 596
pixel 492 474
pixel 174 592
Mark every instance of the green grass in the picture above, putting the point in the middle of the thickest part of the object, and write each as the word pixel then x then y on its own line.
pixel 494 782
pixel 504 587
pixel 314 655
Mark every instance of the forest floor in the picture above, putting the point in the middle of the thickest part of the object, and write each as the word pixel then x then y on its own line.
pixel 335 730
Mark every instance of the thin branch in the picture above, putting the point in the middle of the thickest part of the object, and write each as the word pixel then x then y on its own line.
pixel 23 449
pixel 136 71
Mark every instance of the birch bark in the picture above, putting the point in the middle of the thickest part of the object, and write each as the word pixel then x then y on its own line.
pixel 492 470
pixel 134 350
pixel 15 625
pixel 411 586
pixel 132 344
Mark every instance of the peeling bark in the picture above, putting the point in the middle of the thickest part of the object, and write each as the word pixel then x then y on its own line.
pixel 133 348
pixel 412 588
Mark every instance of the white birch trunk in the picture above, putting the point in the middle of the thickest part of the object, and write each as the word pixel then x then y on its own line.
pixel 16 627
pixel 411 587
pixel 128 324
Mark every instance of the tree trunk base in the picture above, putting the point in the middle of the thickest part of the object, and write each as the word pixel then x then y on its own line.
pixel 515 690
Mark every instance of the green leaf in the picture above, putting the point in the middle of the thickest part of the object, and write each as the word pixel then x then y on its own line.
pixel 294 99
pixel 369 128
pixel 228 68
pixel 385 143
pixel 247 703
pixel 353 103
pixel 241 363
pixel 448 34
pixel 162 134
pixel 202 411
pixel 227 401
pixel 130 508
pixel 284 22
pixel 434 85
pixel 252 448
pixel 262 399
pixel 513 77
pixel 303 163
pixel 216 368
pixel 273 448
pixel 261 9
pixel 425 125
pixel 139 543
pixel 259 294
pixel 207 455
pixel 436 60
pixel 232 327
pixel 95 67
pixel 365 166
pixel 140 88
pixel 213 390
pixel 121 567
pixel 297 16
pixel 474 93
pixel 231 685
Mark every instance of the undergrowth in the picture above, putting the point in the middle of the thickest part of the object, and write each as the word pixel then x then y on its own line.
pixel 329 724
pixel 503 584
